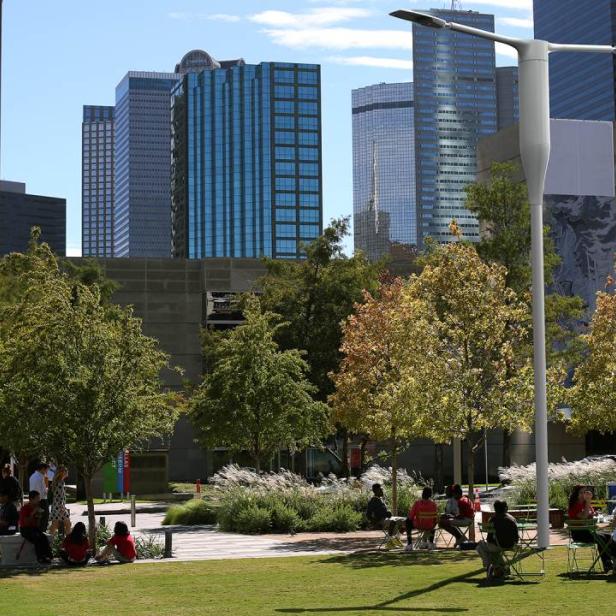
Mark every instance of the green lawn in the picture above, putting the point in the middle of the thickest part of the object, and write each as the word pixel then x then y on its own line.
pixel 366 584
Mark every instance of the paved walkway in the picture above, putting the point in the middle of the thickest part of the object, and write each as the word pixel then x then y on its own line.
pixel 206 543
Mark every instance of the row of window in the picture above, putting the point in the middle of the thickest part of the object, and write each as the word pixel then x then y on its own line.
pixel 305 184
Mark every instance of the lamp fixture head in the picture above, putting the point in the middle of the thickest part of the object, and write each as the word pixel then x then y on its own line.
pixel 423 19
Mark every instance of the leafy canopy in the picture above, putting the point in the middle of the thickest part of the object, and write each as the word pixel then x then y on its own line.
pixel 256 397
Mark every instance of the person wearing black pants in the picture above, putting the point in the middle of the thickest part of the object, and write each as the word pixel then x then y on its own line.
pixel 29 523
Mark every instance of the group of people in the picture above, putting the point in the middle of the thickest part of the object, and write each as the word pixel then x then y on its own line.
pixel 423 515
pixel 45 510
pixel 503 533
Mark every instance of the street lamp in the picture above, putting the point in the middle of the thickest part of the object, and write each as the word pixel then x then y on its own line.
pixel 534 94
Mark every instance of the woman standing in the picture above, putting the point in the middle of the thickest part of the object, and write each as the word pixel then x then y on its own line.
pixel 60 516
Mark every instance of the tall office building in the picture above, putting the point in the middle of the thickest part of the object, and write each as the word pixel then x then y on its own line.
pixel 455 105
pixel 142 167
pixel 97 182
pixel 384 216
pixel 507 96
pixel 582 85
pixel 247 161
pixel 20 211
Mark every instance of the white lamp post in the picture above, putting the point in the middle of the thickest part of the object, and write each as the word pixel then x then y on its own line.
pixel 534 94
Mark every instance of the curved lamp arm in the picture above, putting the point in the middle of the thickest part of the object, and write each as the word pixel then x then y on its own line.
pixel 581 48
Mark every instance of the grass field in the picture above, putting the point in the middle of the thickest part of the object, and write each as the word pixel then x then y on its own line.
pixel 366 584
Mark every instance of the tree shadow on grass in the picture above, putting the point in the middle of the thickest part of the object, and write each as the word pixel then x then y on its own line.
pixel 371 559
pixel 388 606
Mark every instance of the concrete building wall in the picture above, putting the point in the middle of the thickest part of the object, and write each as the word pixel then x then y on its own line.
pixel 169 295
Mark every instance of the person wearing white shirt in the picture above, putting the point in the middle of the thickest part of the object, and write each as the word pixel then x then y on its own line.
pixel 38 483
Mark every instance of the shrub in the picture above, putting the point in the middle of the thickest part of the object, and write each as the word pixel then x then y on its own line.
pixel 253 520
pixel 149 547
pixel 192 513
pixel 285 519
pixel 563 477
pixel 336 518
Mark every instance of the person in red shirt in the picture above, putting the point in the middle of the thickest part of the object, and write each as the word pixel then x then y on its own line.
pixel 423 516
pixel 580 510
pixel 76 547
pixel 465 517
pixel 29 527
pixel 121 546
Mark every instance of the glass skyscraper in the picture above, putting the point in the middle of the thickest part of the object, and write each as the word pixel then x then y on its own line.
pixel 246 161
pixel 97 181
pixel 384 215
pixel 507 96
pixel 455 106
pixel 582 85
pixel 142 221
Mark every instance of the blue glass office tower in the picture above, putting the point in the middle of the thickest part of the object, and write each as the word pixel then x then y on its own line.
pixel 97 181
pixel 246 161
pixel 455 105
pixel 507 96
pixel 581 85
pixel 142 222
pixel 384 216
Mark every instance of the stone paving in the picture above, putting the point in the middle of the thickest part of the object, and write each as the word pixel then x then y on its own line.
pixel 206 543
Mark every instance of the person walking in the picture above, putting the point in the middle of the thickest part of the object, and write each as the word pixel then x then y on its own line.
pixel 38 484
pixel 60 515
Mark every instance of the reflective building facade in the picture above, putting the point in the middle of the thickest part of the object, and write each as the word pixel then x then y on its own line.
pixel 581 84
pixel 508 105
pixel 384 214
pixel 97 181
pixel 455 105
pixel 142 221
pixel 246 161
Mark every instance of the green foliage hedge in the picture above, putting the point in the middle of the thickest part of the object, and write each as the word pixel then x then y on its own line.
pixel 192 513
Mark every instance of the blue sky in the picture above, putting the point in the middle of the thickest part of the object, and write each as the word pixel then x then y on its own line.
pixel 61 55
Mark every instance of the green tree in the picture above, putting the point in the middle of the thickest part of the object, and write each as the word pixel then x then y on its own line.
pixel 593 395
pixel 77 376
pixel 256 397
pixel 375 396
pixel 475 378
pixel 314 296
pixel 501 204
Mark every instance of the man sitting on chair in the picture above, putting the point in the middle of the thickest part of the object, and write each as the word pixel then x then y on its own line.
pixel 422 516
pixel 503 535
pixel 464 518
pixel 377 513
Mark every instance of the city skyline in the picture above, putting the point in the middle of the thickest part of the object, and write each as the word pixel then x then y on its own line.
pixel 356 44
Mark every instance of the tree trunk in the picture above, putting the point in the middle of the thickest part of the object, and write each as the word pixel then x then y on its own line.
pixel 22 465
pixel 438 468
pixel 362 454
pixel 506 448
pixel 346 471
pixel 87 480
pixel 471 484
pixel 257 459
pixel 394 480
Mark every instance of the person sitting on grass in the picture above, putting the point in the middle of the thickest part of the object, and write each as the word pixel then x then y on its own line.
pixel 75 549
pixel 582 512
pixel 9 518
pixel 378 515
pixel 503 535
pixel 465 517
pixel 423 516
pixel 30 527
pixel 120 547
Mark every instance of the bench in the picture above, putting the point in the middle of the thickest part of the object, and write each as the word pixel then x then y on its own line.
pixel 15 551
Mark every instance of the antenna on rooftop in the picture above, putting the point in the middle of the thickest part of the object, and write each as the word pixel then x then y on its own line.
pixel 456 5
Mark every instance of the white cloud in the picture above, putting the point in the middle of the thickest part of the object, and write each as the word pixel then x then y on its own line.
pixel 396 63
pixel 506 50
pixel 516 22
pixel 341 38
pixel 223 17
pixel 186 16
pixel 325 16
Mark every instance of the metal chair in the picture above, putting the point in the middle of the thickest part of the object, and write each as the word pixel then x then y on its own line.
pixel 424 534
pixel 582 556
